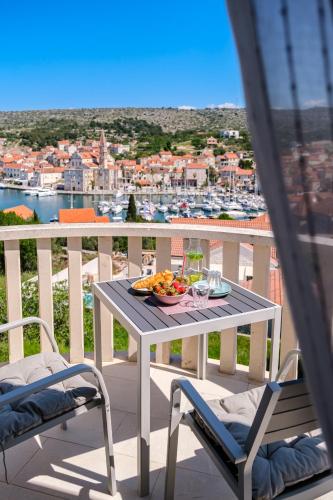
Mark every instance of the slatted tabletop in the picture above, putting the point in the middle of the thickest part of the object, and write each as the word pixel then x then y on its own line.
pixel 147 317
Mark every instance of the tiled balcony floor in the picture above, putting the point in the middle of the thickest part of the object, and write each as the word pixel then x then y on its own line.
pixel 71 463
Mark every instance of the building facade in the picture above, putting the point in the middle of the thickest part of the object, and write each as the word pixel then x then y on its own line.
pixel 106 175
pixel 77 176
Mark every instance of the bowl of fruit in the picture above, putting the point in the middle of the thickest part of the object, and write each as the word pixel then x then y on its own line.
pixel 171 292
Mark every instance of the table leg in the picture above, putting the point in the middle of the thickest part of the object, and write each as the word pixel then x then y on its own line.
pixel 97 333
pixel 202 356
pixel 143 363
pixel 275 344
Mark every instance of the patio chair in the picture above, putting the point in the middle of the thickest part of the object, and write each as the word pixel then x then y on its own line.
pixel 251 439
pixel 42 391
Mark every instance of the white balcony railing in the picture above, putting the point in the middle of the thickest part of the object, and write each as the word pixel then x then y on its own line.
pixel 262 242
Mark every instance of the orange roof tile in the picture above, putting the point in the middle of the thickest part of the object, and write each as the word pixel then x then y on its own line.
pixel 244 171
pixel 21 211
pixel 102 218
pixel 76 215
pixel 230 156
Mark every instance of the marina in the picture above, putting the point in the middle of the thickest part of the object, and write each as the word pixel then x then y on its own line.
pixel 151 207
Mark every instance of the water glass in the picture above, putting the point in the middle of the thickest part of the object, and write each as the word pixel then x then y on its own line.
pixel 200 291
pixel 214 279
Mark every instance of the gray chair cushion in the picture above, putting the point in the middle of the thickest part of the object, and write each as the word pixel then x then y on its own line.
pixel 33 410
pixel 277 465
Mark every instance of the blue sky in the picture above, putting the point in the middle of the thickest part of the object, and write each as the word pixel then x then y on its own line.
pixel 107 53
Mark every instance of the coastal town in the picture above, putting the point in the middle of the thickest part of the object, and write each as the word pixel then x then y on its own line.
pixel 201 179
pixel 92 166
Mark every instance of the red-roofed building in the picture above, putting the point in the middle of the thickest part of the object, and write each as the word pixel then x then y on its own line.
pixel 63 145
pixel 228 160
pixel 80 215
pixel 21 211
pixel 18 171
pixel 165 155
pixel 47 176
pixel 238 174
pixel 211 141
pixel 196 174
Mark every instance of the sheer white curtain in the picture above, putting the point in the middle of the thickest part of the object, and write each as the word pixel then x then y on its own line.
pixel 286 55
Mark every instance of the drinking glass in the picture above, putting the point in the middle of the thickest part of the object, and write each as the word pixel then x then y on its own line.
pixel 214 279
pixel 200 291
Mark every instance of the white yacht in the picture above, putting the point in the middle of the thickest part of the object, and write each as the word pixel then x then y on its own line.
pixel 116 209
pixel 45 192
pixel 148 217
pixel 207 207
pixel 173 209
pixel 30 192
pixel 162 208
pixel 104 207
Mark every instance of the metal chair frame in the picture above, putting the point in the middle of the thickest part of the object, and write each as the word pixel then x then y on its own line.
pixel 103 402
pixel 232 460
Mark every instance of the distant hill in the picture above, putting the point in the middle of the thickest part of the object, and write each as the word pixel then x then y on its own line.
pixel 170 119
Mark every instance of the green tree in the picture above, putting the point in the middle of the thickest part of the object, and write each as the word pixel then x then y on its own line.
pixel 225 216
pixel 28 252
pixel 198 142
pixel 131 211
pixel 213 175
pixel 246 164
pixel 219 151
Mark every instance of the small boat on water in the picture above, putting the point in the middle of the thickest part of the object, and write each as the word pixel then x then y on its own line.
pixel 162 208
pixel 116 209
pixel 104 207
pixel 41 193
pixel 54 219
pixel 184 206
pixel 30 192
pixel 173 209
pixel 187 213
pixel 119 194
pixel 2 185
pixel 148 217
pixel 198 214
pixel 207 207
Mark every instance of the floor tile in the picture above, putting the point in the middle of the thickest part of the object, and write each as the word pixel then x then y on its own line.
pixel 87 429
pixel 70 470
pixel 189 447
pixel 11 492
pixel 191 484
pixel 18 456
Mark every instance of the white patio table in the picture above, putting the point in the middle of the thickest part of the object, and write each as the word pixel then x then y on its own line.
pixel 148 325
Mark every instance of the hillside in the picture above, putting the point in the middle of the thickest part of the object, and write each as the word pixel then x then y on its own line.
pixel 170 119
